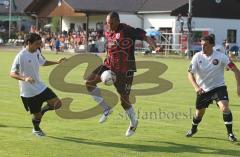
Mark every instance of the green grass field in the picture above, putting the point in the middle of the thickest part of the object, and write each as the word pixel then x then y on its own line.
pixel 163 119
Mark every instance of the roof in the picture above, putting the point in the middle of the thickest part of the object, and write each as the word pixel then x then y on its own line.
pixel 161 5
pixel 131 6
pixel 106 5
pixel 228 9
pixel 91 6
pixel 20 7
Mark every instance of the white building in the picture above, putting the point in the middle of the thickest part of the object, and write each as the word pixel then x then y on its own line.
pixel 220 17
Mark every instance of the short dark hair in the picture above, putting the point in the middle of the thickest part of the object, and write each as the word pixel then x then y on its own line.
pixel 210 38
pixel 32 37
pixel 114 15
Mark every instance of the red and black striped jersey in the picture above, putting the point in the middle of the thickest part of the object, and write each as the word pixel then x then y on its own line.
pixel 120 46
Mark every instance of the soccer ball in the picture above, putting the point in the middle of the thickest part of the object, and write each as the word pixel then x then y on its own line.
pixel 108 77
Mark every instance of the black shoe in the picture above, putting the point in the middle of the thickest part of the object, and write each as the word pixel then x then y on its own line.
pixel 191 132
pixel 232 138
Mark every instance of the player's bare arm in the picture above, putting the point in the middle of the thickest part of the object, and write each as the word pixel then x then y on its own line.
pixel 194 84
pixel 152 43
pixel 236 72
pixel 15 75
pixel 47 63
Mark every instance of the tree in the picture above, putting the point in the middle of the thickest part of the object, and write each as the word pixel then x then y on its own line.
pixel 55 24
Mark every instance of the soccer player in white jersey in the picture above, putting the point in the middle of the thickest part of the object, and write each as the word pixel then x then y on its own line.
pixel 33 91
pixel 206 74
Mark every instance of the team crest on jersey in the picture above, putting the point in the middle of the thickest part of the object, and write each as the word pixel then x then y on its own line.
pixel 215 62
pixel 118 36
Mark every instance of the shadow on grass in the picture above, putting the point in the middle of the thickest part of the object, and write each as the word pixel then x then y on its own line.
pixel 213 138
pixel 219 139
pixel 171 148
pixel 235 105
pixel 3 126
pixel 11 126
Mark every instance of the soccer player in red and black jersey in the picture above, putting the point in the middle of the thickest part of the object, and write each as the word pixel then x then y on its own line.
pixel 120 39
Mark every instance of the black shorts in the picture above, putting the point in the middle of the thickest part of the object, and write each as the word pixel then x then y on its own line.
pixel 123 82
pixel 217 94
pixel 34 104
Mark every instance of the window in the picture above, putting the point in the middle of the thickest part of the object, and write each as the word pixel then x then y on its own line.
pixel 72 26
pixel 232 35
pixel 99 26
pixel 84 26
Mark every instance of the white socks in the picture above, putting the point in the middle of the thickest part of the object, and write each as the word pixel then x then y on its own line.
pixel 96 94
pixel 132 116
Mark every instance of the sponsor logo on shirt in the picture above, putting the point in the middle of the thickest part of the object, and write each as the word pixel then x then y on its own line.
pixel 118 36
pixel 215 62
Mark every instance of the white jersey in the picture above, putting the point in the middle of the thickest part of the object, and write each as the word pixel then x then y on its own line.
pixel 209 70
pixel 27 64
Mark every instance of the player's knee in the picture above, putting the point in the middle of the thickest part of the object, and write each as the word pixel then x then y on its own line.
pixel 89 85
pixel 200 113
pixel 225 109
pixel 126 105
pixel 57 104
pixel 37 116
pixel 199 117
